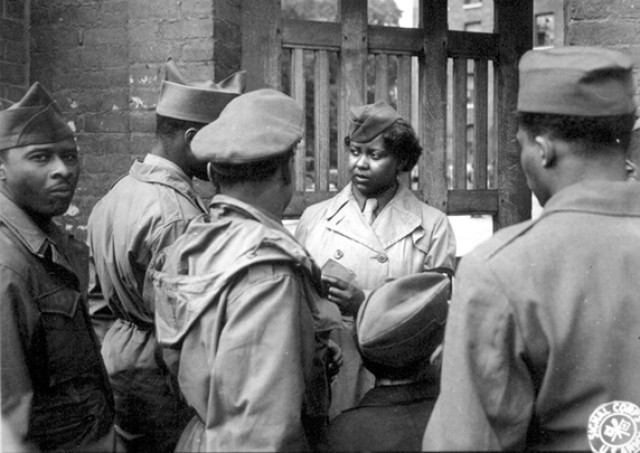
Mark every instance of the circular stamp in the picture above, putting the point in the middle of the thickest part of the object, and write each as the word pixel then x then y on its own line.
pixel 615 428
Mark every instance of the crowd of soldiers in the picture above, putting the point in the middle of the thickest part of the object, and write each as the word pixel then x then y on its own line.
pixel 217 329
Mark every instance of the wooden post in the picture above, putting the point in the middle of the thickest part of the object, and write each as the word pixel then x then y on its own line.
pixel 262 43
pixel 433 89
pixel 353 61
pixel 514 26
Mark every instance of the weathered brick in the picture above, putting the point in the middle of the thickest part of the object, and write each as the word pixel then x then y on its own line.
pixel 604 33
pixel 143 122
pixel 11 29
pixel 106 122
pixel 15 9
pixel 15 51
pixel 13 74
pixel 183 29
pixel 201 49
pixel 196 8
pixel 153 52
pixel 153 8
pixel 102 36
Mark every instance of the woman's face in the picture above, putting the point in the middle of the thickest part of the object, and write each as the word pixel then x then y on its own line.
pixel 372 169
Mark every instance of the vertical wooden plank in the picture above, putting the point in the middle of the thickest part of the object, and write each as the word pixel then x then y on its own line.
pixel 481 123
pixel 382 78
pixel 261 26
pixel 322 111
pixel 403 80
pixel 459 123
pixel 353 60
pixel 514 26
pixel 297 92
pixel 433 100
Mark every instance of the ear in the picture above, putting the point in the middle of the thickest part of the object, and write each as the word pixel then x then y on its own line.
pixel 210 173
pixel 189 134
pixel 547 150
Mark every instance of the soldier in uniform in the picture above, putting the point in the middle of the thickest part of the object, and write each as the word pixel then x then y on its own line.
pixel 543 323
pixel 237 297
pixel 142 213
pixel 55 391
pixel 373 230
pixel 399 329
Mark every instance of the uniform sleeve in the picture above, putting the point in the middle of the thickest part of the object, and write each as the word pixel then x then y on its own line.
pixel 15 386
pixel 442 250
pixel 487 396
pixel 263 356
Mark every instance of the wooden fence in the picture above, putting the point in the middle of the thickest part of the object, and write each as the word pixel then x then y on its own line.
pixel 426 73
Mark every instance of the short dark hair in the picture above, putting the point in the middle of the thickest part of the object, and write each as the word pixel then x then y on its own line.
pixel 167 127
pixel 596 130
pixel 400 141
pixel 262 170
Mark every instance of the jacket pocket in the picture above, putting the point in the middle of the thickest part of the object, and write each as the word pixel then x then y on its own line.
pixel 66 348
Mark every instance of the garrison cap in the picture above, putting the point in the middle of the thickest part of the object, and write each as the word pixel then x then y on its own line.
pixel 577 81
pixel 366 122
pixel 198 102
pixel 34 120
pixel 255 126
pixel 401 323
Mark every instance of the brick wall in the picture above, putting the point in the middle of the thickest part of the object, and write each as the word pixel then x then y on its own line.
pixel 614 23
pixel 103 62
pixel 14 50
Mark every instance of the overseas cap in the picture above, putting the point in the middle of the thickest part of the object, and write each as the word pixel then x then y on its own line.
pixel 253 127
pixel 402 322
pixel 34 120
pixel 366 122
pixel 580 81
pixel 198 102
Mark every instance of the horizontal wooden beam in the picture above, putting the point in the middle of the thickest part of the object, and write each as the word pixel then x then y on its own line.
pixel 311 35
pixel 459 202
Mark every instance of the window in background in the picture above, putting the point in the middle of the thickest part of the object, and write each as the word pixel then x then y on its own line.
pixel 544 27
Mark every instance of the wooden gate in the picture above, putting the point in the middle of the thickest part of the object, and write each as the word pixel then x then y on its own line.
pixel 425 71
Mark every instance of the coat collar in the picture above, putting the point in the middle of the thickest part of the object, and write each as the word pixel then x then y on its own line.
pixel 158 170
pixel 47 245
pixel 399 218
pixel 598 197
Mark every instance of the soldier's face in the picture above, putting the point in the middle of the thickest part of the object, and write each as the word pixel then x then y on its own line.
pixel 41 179
pixel 372 168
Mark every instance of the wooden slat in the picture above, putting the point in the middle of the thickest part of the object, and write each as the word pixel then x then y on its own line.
pixel 261 43
pixel 382 78
pixel 297 92
pixel 395 40
pixel 321 114
pixel 480 123
pixel 404 97
pixel 353 59
pixel 470 202
pixel 433 100
pixel 311 34
pixel 466 44
pixel 459 123
pixel 514 24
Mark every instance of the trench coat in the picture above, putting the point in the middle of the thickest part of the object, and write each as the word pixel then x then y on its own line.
pixel 407 237
pixel 544 326
pixel 55 391
pixel 144 212
pixel 238 310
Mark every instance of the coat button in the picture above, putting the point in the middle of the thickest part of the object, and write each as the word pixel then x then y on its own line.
pixel 338 254
pixel 382 258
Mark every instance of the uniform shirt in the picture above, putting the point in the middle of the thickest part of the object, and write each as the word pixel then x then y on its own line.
pixel 237 302
pixel 144 212
pixel 54 387
pixel 389 418
pixel 407 237
pixel 544 326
